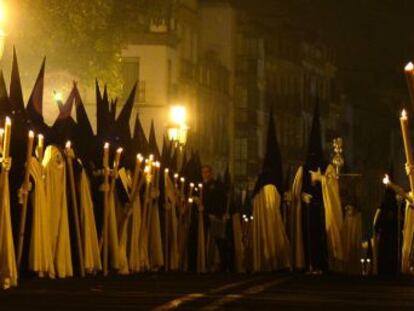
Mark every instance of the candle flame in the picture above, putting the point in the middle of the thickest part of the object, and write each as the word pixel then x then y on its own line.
pixel 166 170
pixel 200 186
pixel 182 179
pixel 8 121
pixel 151 157
pixel 40 137
pixel 190 200
pixel 192 185
pixel 119 150
pixel 386 179
pixel 68 144
pixel 106 146
pixel 404 114
pixel 175 176
pixel 409 67
pixel 31 134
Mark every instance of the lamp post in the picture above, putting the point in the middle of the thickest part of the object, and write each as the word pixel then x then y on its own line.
pixel 177 129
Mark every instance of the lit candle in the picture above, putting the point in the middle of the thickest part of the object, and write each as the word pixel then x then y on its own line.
pixel 409 76
pixel 200 186
pixel 182 180
pixel 1 139
pixel 407 145
pixel 117 157
pixel 40 146
pixel 68 145
pixel 176 181
pixel 29 146
pixel 7 136
pixel 191 190
pixel 106 156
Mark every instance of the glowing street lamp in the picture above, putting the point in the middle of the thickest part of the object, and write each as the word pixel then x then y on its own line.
pixel 177 129
pixel 2 31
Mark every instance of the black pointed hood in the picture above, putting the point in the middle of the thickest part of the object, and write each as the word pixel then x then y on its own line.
pixel 16 93
pixel 64 127
pixel 272 172
pixel 315 157
pixel 5 108
pixel 122 128
pixel 139 141
pixel 34 108
pixel 85 141
pixel 152 141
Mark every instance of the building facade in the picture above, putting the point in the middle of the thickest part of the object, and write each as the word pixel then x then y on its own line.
pixel 230 69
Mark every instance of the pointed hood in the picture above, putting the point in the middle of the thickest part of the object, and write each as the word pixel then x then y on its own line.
pixel 16 93
pixel 34 107
pixel 64 127
pixel 84 140
pixel 100 112
pixel 139 141
pixel 112 111
pixel 5 108
pixel 315 156
pixel 272 172
pixel 152 141
pixel 122 129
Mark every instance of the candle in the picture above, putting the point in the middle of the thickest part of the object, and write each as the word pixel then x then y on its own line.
pixel 29 146
pixel 1 139
pixel 106 156
pixel 191 190
pixel 7 136
pixel 200 186
pixel 407 145
pixel 68 145
pixel 40 146
pixel 118 157
pixel 176 181
pixel 409 76
pixel 182 180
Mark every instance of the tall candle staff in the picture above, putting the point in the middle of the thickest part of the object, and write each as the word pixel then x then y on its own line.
pixel 105 189
pixel 24 195
pixel 70 155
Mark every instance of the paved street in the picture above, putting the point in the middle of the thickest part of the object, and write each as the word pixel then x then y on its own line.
pixel 212 292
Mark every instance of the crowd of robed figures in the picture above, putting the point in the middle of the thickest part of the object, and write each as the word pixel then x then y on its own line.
pixel 81 202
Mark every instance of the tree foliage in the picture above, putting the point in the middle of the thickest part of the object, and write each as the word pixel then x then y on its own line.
pixel 83 38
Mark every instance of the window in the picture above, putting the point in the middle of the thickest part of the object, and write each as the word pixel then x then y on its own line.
pixel 130 73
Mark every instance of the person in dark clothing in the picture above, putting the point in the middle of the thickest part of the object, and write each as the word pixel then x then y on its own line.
pixel 386 227
pixel 215 207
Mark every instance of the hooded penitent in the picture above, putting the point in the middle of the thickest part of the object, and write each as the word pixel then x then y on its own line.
pixel 268 239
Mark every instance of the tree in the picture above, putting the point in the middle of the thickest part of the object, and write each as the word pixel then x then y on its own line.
pixel 82 38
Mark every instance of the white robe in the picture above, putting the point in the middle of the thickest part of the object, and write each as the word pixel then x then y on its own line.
pixel 55 176
pixel 333 218
pixel 40 254
pixel 8 269
pixel 270 245
pixel 89 235
pixel 407 245
pixel 295 220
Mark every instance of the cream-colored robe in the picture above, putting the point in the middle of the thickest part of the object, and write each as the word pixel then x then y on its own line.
pixel 295 221
pixel 333 218
pixel 55 177
pixel 407 258
pixel 40 254
pixel 270 245
pixel 156 255
pixel 91 252
pixel 8 269
pixel 171 218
